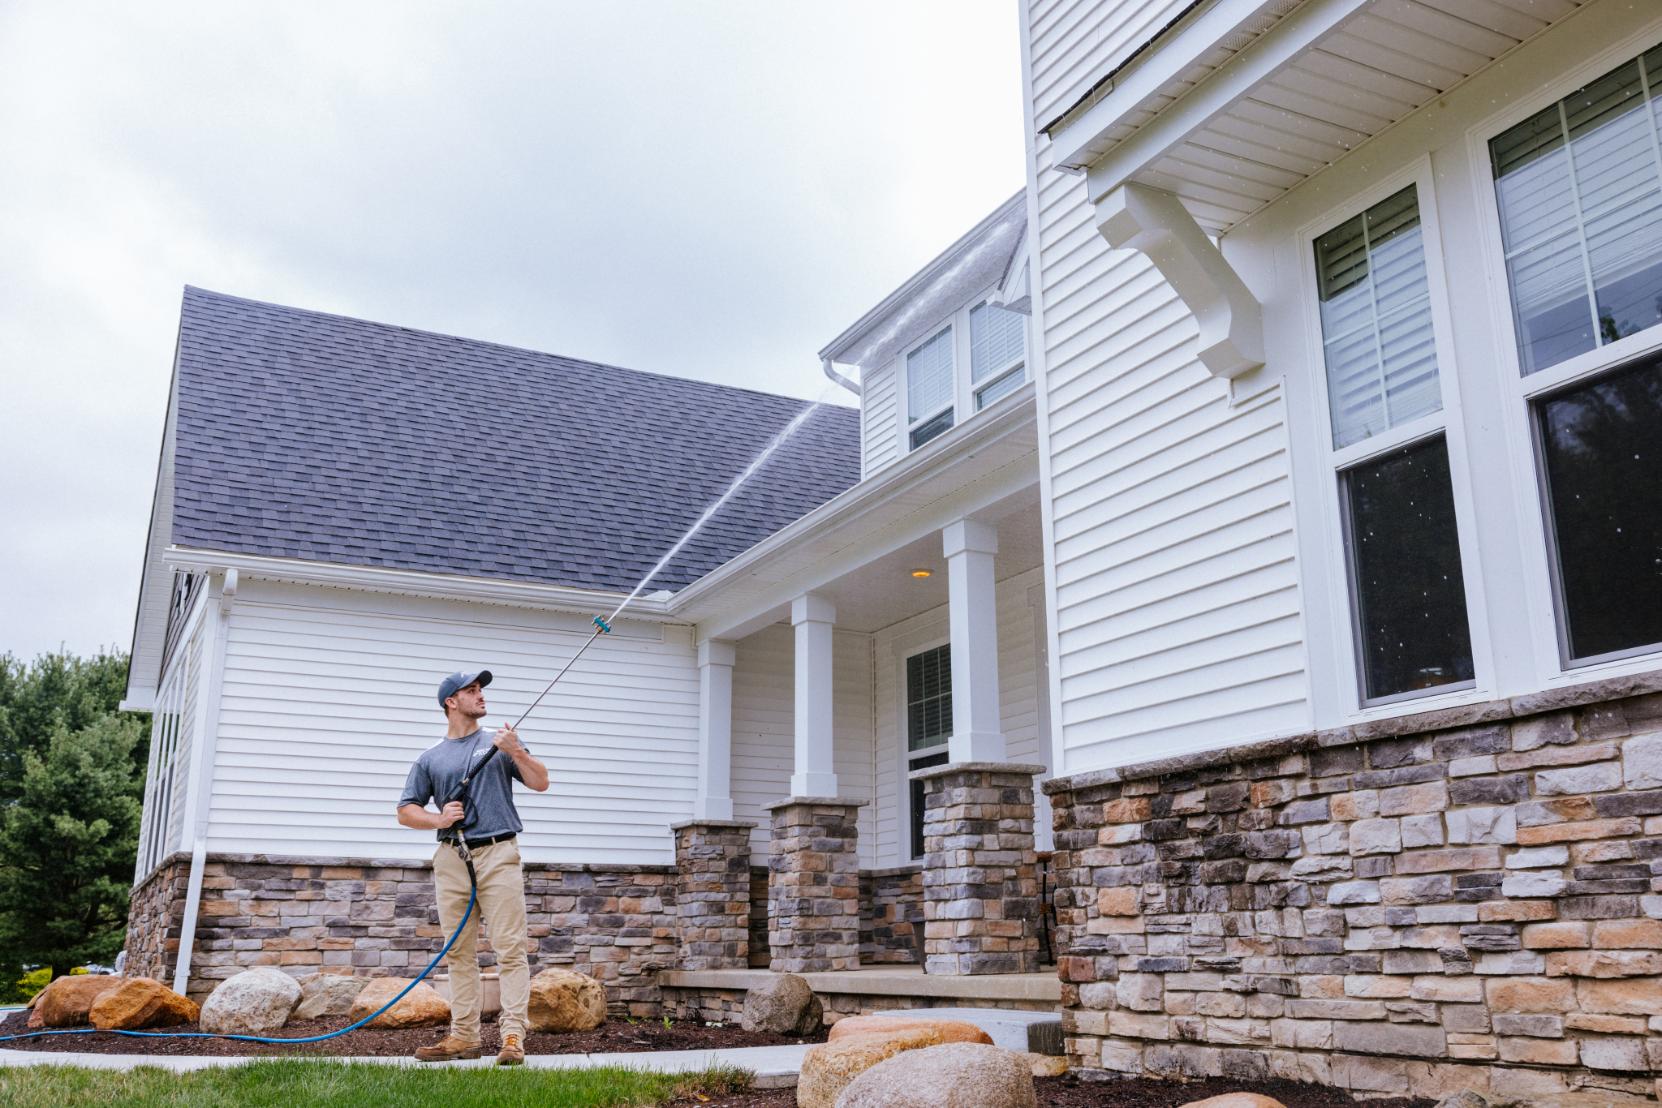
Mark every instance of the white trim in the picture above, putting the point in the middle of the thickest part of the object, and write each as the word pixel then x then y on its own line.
pixel 1340 679
pixel 219 599
pixel 407 582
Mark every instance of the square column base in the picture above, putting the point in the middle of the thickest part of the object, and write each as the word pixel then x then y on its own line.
pixel 712 894
pixel 814 885
pixel 981 902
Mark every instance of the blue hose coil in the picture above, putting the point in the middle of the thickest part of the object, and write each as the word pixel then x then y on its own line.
pixel 472 896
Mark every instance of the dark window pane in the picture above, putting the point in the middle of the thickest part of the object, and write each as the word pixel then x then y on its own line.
pixel 928 697
pixel 929 429
pixel 1405 570
pixel 1602 443
pixel 917 798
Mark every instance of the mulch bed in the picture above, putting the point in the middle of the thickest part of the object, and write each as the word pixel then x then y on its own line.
pixel 1065 1092
pixel 612 1037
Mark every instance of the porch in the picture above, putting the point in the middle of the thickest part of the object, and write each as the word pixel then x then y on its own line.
pixel 873 725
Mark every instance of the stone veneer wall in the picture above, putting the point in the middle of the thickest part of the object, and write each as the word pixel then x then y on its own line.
pixel 1463 907
pixel 614 923
pixel 814 885
pixel 727 1005
pixel 155 918
pixel 891 916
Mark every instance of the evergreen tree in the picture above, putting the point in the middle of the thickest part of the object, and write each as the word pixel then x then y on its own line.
pixel 56 691
pixel 67 844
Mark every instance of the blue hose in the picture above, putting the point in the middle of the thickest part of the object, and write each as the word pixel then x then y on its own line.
pixel 472 896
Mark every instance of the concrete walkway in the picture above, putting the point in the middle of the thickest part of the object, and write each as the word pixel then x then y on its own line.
pixel 775 1067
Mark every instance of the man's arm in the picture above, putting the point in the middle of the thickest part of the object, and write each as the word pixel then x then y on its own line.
pixel 418 817
pixel 531 771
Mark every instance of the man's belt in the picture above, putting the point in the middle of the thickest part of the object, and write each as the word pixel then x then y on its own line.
pixel 475 844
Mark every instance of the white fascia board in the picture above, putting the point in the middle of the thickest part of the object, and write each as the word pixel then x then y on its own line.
pixel 950 462
pixel 1079 143
pixel 144 661
pixel 856 333
pixel 412 582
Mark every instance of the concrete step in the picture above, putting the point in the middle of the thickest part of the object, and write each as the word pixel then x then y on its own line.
pixel 1037 1032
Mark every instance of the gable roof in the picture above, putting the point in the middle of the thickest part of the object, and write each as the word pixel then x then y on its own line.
pixel 329 439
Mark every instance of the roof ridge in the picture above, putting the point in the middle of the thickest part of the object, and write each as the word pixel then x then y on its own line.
pixel 694 381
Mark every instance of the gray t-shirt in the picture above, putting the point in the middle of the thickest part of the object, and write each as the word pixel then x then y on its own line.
pixel 489 806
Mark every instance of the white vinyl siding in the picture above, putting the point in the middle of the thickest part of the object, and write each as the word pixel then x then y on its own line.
pixel 329 695
pixel 1019 694
pixel 173 726
pixel 1077 42
pixel 879 413
pixel 1176 593
pixel 764 715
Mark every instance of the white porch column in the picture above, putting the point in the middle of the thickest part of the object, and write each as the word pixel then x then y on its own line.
pixel 977 734
pixel 715 730
pixel 812 616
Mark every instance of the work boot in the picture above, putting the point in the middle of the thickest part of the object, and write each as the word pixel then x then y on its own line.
pixel 513 1053
pixel 448 1049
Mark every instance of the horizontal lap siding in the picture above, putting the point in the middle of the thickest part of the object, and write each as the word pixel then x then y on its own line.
pixel 1077 42
pixel 1018 690
pixel 764 723
pixel 1177 608
pixel 329 697
pixel 190 708
pixel 879 411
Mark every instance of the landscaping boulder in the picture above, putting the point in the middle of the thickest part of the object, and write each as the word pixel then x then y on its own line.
pixel 829 1068
pixel 422 1007
pixel 323 995
pixel 951 1031
pixel 1237 1100
pixel 562 1000
pixel 952 1075
pixel 784 1005
pixel 140 1002
pixel 253 1002
pixel 68 1001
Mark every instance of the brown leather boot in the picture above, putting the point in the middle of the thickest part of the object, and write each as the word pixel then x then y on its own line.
pixel 513 1052
pixel 448 1049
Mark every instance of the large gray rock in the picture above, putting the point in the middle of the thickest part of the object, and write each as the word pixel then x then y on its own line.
pixel 952 1075
pixel 326 995
pixel 254 1002
pixel 784 1005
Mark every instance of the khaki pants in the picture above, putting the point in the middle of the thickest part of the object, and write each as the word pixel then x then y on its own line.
pixel 502 904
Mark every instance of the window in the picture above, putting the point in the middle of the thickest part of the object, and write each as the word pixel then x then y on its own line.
pixel 1601 450
pixel 1579 188
pixel 1376 320
pixel 929 388
pixel 928 723
pixel 1409 592
pixel 998 352
pixel 1390 454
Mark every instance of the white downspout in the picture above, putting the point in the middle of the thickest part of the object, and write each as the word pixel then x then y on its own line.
pixel 202 762
pixel 844 380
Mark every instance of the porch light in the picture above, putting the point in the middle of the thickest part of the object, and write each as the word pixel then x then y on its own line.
pixel 923 573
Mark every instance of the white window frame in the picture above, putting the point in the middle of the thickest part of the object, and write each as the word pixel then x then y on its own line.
pixel 1519 393
pixel 1344 630
pixel 1013 367
pixel 905 649
pixel 964 390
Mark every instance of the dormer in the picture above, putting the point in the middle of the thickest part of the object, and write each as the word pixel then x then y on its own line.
pixel 949 343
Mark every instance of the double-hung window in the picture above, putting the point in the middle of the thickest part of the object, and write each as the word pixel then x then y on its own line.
pixel 1390 454
pixel 928 724
pixel 929 391
pixel 1578 188
pixel 998 352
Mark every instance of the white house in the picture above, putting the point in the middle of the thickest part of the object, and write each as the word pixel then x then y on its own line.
pixel 1274 481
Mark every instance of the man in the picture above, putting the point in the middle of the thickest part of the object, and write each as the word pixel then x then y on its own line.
pixel 489 825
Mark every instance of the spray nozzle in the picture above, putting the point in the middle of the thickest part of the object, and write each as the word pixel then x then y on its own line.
pixel 603 625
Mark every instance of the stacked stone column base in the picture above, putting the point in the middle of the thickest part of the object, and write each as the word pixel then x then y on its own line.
pixel 814 885
pixel 712 893
pixel 981 902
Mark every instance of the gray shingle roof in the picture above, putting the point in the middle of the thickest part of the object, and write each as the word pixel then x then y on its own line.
pixel 314 436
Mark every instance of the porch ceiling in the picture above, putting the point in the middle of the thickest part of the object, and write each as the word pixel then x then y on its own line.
pixel 1244 109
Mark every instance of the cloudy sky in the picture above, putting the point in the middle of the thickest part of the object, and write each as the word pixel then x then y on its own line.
pixel 710 188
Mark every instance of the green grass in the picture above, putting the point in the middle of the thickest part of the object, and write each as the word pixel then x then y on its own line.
pixel 303 1084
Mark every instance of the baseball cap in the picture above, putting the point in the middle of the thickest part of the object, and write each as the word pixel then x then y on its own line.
pixel 453 684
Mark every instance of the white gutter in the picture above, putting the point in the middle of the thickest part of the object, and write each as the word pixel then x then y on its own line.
pixel 846 382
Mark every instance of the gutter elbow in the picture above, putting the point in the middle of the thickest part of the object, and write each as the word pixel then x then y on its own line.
pixel 842 379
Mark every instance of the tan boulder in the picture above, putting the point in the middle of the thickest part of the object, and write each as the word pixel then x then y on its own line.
pixel 324 995
pixel 1236 1100
pixel 253 1002
pixel 829 1068
pixel 783 1004
pixel 952 1075
pixel 1046 1065
pixel 67 1001
pixel 562 1000
pixel 951 1031
pixel 421 1007
pixel 140 1002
